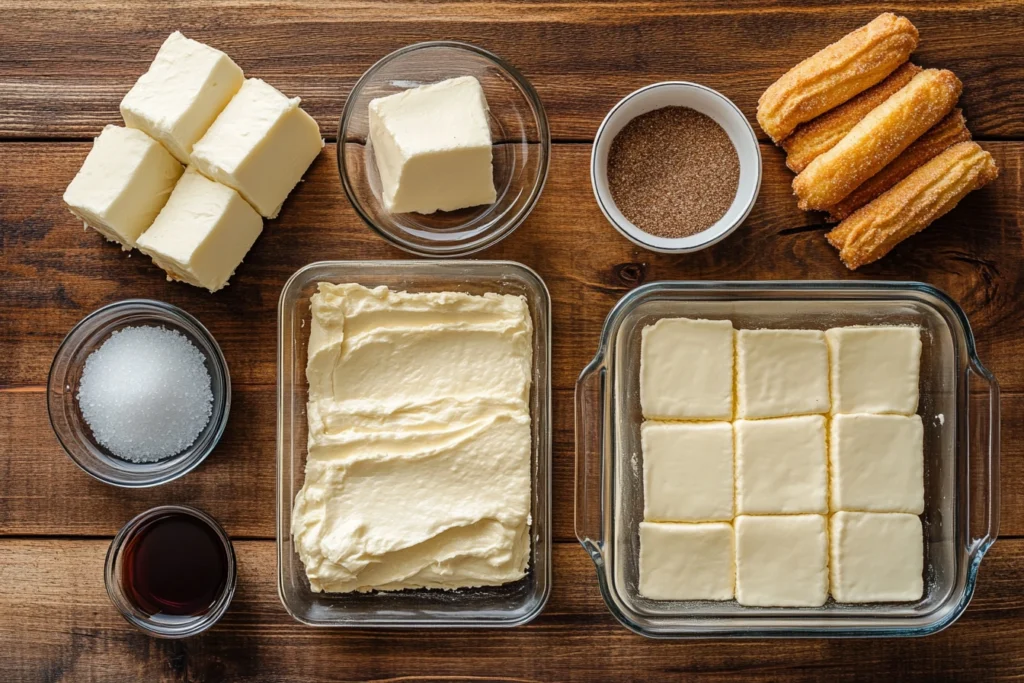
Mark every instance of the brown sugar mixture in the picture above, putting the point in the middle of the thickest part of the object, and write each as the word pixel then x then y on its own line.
pixel 673 172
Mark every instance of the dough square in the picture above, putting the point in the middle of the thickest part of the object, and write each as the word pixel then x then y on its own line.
pixel 874 369
pixel 781 372
pixel 781 466
pixel 686 561
pixel 781 561
pixel 686 369
pixel 876 557
pixel 688 471
pixel 877 463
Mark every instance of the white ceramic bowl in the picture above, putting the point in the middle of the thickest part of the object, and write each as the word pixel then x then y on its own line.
pixel 708 102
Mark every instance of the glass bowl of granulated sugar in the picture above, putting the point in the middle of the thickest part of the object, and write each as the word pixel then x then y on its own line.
pixel 139 393
pixel 675 167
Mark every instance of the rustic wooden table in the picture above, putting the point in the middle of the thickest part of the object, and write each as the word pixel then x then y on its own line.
pixel 64 67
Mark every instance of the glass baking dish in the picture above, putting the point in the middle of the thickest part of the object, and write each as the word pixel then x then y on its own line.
pixel 959 406
pixel 508 605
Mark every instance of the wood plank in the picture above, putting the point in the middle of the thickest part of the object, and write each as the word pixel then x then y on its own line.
pixel 43 493
pixel 65 66
pixel 57 624
pixel 53 271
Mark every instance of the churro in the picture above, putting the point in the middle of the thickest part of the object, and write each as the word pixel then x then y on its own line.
pixel 819 135
pixel 878 139
pixel 943 135
pixel 917 200
pixel 845 68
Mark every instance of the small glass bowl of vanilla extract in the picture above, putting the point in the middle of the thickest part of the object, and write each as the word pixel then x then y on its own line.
pixel 171 571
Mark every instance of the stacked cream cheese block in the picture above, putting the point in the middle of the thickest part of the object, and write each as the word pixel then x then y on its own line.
pixel 418 472
pixel 781 466
pixel 432 147
pixel 206 154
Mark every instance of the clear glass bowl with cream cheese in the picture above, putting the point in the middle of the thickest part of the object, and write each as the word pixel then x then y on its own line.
pixel 959 405
pixel 511 604
pixel 521 146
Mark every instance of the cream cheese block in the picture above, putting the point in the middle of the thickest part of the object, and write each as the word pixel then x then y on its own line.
pixel 418 472
pixel 686 561
pixel 203 232
pixel 260 145
pixel 185 88
pixel 781 561
pixel 874 369
pixel 432 146
pixel 688 471
pixel 877 463
pixel 781 466
pixel 124 182
pixel 686 369
pixel 876 557
pixel 781 372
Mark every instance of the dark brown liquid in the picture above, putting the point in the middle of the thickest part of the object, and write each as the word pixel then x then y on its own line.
pixel 175 565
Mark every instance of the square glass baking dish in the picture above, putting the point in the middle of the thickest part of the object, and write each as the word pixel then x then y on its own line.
pixel 508 605
pixel 959 406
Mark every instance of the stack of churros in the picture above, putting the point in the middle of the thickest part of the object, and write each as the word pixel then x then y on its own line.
pixel 876 142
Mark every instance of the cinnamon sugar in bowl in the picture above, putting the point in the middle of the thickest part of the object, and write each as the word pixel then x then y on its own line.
pixel 675 167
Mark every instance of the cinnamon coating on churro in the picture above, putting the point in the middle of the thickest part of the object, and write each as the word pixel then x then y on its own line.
pixel 943 135
pixel 917 200
pixel 878 139
pixel 845 68
pixel 818 136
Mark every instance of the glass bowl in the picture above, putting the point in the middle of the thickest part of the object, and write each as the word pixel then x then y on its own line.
pixel 155 624
pixel 66 373
pixel 521 148
pixel 508 605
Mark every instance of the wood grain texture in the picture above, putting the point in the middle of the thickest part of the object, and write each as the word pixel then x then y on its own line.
pixel 65 66
pixel 43 493
pixel 59 625
pixel 54 271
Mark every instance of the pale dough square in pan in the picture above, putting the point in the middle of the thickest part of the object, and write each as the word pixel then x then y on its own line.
pixel 686 561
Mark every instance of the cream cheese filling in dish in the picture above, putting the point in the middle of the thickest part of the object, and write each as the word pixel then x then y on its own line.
pixel 418 472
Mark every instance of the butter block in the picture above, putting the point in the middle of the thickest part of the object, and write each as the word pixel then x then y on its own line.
pixel 781 466
pixel 877 463
pixel 260 145
pixel 124 182
pixel 688 471
pixel 186 87
pixel 876 557
pixel 874 369
pixel 432 145
pixel 781 372
pixel 686 369
pixel 203 232
pixel 781 561
pixel 686 561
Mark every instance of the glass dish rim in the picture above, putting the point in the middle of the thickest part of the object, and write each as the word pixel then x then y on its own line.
pixel 975 551
pixel 172 311
pixel 488 239
pixel 127 610
pixel 544 455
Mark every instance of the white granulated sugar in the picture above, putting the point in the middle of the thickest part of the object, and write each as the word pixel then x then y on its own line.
pixel 146 393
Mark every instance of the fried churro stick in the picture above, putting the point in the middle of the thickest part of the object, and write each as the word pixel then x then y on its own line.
pixel 878 139
pixel 917 200
pixel 845 68
pixel 943 135
pixel 818 136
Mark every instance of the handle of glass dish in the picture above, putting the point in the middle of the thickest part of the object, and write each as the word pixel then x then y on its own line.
pixel 984 469
pixel 590 390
